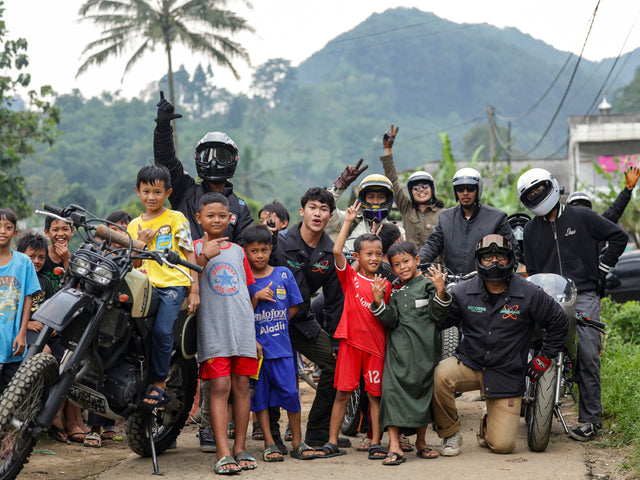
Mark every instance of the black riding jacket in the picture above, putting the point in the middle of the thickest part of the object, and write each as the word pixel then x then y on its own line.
pixel 570 245
pixel 187 192
pixel 311 274
pixel 495 339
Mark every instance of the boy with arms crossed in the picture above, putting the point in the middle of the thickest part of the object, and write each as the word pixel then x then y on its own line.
pixel 227 347
pixel 361 335
pixel 275 297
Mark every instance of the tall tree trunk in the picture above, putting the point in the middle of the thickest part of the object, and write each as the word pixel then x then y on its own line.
pixel 172 97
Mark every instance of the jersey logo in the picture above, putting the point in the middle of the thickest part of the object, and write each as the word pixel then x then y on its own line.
pixel 510 312
pixel 294 264
pixel 476 308
pixel 223 279
pixel 570 231
pixel 233 219
pixel 164 239
pixel 281 293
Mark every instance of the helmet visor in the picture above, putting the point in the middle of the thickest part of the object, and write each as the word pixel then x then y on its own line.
pixel 219 155
pixel 535 195
pixel 493 243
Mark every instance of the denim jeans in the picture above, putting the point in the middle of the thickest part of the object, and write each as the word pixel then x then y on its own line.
pixel 171 299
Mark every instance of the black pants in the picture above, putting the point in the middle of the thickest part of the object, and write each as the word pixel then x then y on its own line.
pixel 318 350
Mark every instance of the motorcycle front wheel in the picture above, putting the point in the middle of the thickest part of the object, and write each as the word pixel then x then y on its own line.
pixel 353 414
pixel 540 415
pixel 20 405
pixel 167 422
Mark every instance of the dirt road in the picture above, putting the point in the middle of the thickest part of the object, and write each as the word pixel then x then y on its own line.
pixel 564 459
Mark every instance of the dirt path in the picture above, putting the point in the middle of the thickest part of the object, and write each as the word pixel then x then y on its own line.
pixel 564 459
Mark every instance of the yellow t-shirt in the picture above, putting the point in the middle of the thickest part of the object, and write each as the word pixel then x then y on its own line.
pixel 173 232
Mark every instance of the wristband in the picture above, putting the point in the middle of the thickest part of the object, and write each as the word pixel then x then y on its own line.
pixel 205 256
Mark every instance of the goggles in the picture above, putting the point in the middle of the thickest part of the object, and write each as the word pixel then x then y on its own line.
pixel 219 155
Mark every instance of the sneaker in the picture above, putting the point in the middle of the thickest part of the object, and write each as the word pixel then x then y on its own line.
pixel 207 440
pixel 451 445
pixel 585 432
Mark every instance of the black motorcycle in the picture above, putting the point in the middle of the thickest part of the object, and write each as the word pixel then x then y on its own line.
pixel 104 314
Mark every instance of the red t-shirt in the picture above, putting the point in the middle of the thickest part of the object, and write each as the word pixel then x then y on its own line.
pixel 358 326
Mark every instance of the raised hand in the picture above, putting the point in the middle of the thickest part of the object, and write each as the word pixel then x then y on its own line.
pixel 378 288
pixel 349 174
pixel 436 275
pixel 631 177
pixel 211 247
pixel 165 110
pixel 389 137
pixel 352 212
pixel 146 235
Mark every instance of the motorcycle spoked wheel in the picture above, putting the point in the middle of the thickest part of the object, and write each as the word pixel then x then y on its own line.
pixel 353 414
pixel 20 405
pixel 169 420
pixel 540 414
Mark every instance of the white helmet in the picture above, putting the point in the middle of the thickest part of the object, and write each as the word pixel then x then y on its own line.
pixel 580 199
pixel 539 191
pixel 421 177
pixel 467 176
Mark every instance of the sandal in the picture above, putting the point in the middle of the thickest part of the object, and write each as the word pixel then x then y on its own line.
pixel 161 399
pixel 77 437
pixel 245 457
pixel 288 434
pixel 224 462
pixel 330 450
pixel 57 434
pixel 231 430
pixel 298 452
pixel 377 452
pixel 92 440
pixel 108 435
pixel 272 450
pixel 364 445
pixel 405 444
pixel 394 458
pixel 427 453
pixel 257 432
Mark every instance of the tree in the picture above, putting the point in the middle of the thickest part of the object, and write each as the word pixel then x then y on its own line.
pixel 273 79
pixel 627 98
pixel 20 128
pixel 164 22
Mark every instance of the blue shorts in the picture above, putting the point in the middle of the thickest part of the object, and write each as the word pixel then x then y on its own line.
pixel 277 386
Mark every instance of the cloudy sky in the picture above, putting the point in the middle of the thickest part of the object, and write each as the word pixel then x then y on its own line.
pixel 295 29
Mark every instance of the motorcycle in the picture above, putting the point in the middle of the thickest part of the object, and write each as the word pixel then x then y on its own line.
pixel 104 313
pixel 543 399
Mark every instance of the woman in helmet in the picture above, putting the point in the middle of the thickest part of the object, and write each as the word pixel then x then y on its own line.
pixel 420 208
pixel 497 312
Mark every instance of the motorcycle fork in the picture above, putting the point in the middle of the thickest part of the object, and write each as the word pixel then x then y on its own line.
pixel 58 392
pixel 559 378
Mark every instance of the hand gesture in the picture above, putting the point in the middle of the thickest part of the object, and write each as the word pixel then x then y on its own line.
pixel 352 212
pixel 146 235
pixel 378 288
pixel 389 137
pixel 436 275
pixel 165 110
pixel 631 177
pixel 271 222
pixel 376 228
pixel 211 247
pixel 265 294
pixel 62 250
pixel 349 174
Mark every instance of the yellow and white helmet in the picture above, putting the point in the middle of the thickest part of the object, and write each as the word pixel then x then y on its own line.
pixel 375 211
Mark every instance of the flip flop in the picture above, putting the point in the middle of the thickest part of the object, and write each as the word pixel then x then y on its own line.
pixel 57 434
pixel 257 432
pixel 272 450
pixel 162 399
pixel 245 457
pixel 398 459
pixel 427 453
pixel 108 435
pixel 377 449
pixel 224 461
pixel 77 437
pixel 298 452
pixel 92 440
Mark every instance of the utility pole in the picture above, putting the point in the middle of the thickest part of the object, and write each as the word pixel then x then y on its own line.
pixel 492 139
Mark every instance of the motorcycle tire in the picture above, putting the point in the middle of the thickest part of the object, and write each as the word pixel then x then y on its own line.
pixel 20 405
pixel 353 414
pixel 541 413
pixel 169 420
pixel 449 337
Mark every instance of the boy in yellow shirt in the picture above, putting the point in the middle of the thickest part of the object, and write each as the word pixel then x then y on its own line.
pixel 161 228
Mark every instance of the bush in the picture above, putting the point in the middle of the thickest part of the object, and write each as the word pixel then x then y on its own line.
pixel 623 320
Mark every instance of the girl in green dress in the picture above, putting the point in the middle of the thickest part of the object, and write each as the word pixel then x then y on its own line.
pixel 412 350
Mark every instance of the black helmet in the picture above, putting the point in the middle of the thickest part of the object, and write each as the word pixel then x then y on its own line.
pixel 375 182
pixel 216 157
pixel 497 245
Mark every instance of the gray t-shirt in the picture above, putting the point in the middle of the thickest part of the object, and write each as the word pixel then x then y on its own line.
pixel 225 316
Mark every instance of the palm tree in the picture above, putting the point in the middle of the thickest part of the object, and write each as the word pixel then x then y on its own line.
pixel 148 23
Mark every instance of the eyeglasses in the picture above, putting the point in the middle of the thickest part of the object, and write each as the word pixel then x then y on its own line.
pixel 468 188
pixel 420 186
pixel 491 255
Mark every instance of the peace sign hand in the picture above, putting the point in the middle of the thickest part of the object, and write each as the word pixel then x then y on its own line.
pixel 349 174
pixel 389 137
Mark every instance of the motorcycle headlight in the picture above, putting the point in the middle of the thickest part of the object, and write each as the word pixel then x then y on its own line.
pixel 79 266
pixel 103 275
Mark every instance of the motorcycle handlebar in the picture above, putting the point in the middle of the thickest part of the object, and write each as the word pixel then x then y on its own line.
pixel 53 209
pixel 589 322
pixel 175 258
pixel 105 233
